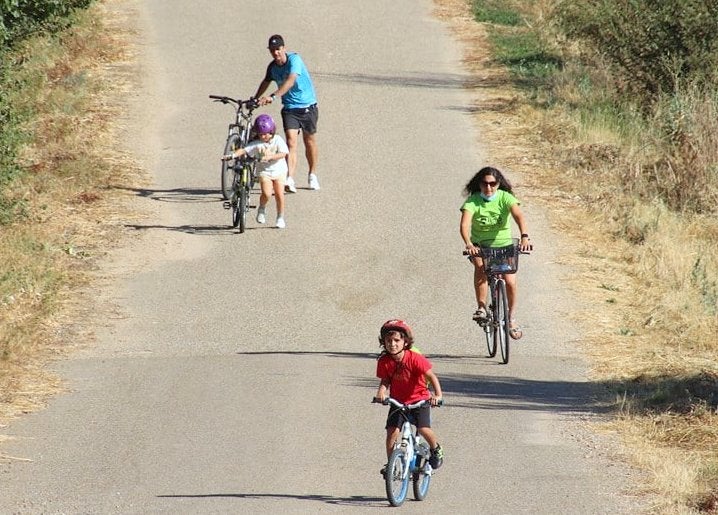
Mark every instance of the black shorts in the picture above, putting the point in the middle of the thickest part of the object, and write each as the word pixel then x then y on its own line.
pixel 304 118
pixel 420 417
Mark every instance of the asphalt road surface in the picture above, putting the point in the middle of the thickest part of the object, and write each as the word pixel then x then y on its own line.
pixel 237 373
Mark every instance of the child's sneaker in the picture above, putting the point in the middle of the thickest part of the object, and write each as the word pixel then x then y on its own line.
pixel 289 186
pixel 437 457
pixel 313 182
pixel 280 222
pixel 261 216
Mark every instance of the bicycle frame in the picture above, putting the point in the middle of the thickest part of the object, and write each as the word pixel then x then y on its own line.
pixel 405 460
pixel 410 440
pixel 238 134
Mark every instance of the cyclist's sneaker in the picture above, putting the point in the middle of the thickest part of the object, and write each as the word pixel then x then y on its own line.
pixel 289 185
pixel 383 470
pixel 281 224
pixel 480 315
pixel 437 457
pixel 261 216
pixel 313 182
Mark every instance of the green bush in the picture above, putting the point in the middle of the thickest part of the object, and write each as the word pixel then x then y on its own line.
pixel 654 45
pixel 21 18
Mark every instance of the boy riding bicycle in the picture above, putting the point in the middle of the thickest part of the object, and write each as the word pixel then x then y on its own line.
pixel 405 373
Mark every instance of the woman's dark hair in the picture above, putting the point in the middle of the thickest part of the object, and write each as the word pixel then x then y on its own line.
pixel 474 185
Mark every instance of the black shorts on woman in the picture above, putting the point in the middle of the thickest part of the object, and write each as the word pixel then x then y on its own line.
pixel 301 118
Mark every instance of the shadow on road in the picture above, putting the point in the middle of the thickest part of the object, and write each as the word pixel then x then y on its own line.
pixel 497 393
pixel 493 392
pixel 355 500
pixel 182 195
pixel 213 230
pixel 427 81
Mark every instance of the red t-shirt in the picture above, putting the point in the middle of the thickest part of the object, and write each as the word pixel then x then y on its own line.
pixel 406 378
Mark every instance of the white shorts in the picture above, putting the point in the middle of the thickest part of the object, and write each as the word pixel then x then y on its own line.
pixel 278 175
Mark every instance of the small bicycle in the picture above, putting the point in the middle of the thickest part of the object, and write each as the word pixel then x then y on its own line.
pixel 408 460
pixel 243 178
pixel 498 261
pixel 238 135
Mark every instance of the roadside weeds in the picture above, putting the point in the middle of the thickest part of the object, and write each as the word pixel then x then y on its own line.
pixel 674 446
pixel 77 202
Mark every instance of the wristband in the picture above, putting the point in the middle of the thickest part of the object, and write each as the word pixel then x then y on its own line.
pixel 524 235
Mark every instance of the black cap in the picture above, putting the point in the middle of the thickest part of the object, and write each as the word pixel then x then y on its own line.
pixel 276 41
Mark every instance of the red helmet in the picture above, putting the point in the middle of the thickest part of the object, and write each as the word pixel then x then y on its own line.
pixel 395 325
pixel 264 124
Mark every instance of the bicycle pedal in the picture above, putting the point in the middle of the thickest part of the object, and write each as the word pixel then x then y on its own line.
pixel 227 205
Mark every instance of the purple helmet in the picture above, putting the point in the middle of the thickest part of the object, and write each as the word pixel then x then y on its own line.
pixel 264 124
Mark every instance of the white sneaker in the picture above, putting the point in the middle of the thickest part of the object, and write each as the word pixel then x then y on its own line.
pixel 280 222
pixel 289 185
pixel 313 181
pixel 261 217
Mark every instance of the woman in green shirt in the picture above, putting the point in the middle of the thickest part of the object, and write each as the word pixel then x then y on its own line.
pixel 485 220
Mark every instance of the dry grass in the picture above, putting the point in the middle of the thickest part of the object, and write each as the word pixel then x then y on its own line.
pixel 75 204
pixel 658 356
pixel 646 273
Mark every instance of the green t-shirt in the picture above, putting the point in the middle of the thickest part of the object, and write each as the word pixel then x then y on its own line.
pixel 490 222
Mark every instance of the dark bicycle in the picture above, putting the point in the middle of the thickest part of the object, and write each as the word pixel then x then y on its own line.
pixel 238 135
pixel 243 177
pixel 498 261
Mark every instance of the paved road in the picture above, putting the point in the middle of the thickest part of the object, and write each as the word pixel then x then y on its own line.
pixel 238 375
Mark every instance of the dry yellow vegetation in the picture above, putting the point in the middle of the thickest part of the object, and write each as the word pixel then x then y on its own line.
pixel 645 271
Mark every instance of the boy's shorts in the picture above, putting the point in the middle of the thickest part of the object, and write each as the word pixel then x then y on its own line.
pixel 304 118
pixel 420 417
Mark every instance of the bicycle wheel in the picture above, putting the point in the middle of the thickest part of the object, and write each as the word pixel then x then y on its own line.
pixel 242 207
pixel 227 171
pixel 421 481
pixel 502 320
pixel 396 477
pixel 488 329
pixel 234 199
pixel 235 210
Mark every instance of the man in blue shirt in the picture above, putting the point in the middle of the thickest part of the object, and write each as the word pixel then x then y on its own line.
pixel 299 106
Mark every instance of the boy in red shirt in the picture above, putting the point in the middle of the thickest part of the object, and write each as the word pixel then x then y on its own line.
pixel 405 374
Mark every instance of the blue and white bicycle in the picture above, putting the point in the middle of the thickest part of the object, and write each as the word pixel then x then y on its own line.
pixel 409 460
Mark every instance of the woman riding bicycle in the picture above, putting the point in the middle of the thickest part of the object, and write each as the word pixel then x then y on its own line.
pixel 485 222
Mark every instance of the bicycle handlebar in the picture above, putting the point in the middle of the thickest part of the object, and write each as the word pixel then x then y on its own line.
pixel 398 404
pixel 246 158
pixel 466 252
pixel 250 103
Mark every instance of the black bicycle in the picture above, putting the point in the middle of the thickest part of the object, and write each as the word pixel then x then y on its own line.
pixel 238 135
pixel 498 261
pixel 243 177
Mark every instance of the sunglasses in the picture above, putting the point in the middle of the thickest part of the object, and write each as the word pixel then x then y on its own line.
pixel 489 183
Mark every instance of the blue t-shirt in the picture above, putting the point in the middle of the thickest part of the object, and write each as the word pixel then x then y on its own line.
pixel 490 224
pixel 302 93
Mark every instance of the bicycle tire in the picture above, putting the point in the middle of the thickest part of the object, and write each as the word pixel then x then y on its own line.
pixel 235 211
pixel 488 329
pixel 233 143
pixel 243 207
pixel 234 199
pixel 396 478
pixel 421 481
pixel 502 320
